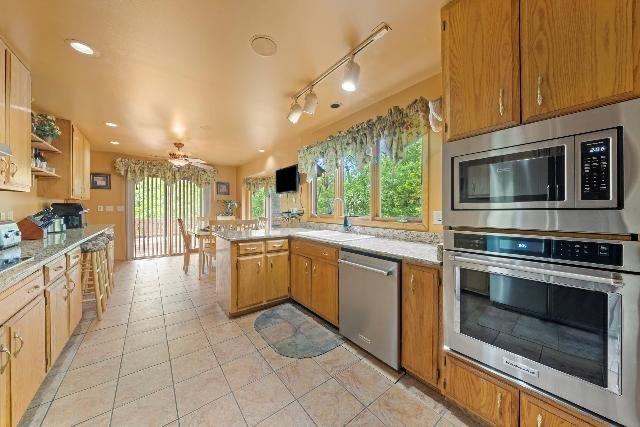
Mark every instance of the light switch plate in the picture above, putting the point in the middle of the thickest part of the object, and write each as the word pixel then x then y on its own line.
pixel 100 208
pixel 10 215
pixel 3 216
pixel 108 208
pixel 120 208
pixel 437 217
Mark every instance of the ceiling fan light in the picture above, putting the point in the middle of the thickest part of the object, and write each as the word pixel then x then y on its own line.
pixel 351 76
pixel 310 102
pixel 294 113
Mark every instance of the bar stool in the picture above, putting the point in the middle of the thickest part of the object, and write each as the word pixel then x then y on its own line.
pixel 93 277
pixel 111 257
pixel 104 259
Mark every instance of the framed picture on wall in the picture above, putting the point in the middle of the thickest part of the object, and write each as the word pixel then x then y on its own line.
pixel 223 189
pixel 101 181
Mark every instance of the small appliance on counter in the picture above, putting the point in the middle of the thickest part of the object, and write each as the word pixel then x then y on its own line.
pixel 11 257
pixel 9 234
pixel 57 225
pixel 34 227
pixel 73 214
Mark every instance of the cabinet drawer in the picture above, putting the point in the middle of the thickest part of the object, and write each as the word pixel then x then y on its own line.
pixel 316 250
pixel 487 397
pixel 277 245
pixel 54 269
pixel 536 412
pixel 250 248
pixel 19 295
pixel 73 257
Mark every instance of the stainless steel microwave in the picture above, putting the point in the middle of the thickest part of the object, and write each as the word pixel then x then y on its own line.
pixel 572 173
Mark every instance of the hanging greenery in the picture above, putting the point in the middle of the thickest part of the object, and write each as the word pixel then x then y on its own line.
pixel 136 170
pixel 254 183
pixel 396 131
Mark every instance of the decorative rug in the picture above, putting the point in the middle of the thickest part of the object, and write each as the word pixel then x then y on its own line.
pixel 293 333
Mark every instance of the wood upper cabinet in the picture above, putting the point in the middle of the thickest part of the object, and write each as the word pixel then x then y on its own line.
pixel 77 164
pixel 324 290
pixel 421 322
pixel 57 318
pixel 301 279
pixel 577 54
pixel 492 400
pixel 4 161
pixel 86 169
pixel 250 286
pixel 74 290
pixel 28 364
pixel 481 69
pixel 18 123
pixel 277 281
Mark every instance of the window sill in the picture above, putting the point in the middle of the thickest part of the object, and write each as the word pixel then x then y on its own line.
pixel 376 223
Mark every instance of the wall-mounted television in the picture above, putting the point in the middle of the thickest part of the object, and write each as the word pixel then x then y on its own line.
pixel 287 179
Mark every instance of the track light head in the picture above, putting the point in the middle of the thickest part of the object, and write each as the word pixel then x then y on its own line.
pixel 310 102
pixel 294 112
pixel 351 76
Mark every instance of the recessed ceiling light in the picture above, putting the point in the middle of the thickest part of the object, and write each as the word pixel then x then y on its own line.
pixel 82 47
pixel 114 142
pixel 335 105
pixel 263 45
pixel 111 124
pixel 261 150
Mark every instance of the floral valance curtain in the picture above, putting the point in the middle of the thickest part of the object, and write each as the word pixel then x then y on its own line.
pixel 396 130
pixel 254 183
pixel 136 170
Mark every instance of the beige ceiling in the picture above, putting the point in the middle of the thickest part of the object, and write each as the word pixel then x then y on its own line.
pixel 187 63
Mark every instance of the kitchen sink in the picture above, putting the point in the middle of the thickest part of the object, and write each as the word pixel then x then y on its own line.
pixel 334 236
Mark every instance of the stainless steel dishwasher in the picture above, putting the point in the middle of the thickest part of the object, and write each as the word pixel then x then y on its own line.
pixel 370 304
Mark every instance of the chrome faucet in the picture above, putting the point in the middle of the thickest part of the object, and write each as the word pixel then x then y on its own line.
pixel 346 224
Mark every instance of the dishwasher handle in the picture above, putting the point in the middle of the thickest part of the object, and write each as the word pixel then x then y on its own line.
pixel 366 267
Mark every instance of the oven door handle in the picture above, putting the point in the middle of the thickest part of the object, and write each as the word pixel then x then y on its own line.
pixel 541 273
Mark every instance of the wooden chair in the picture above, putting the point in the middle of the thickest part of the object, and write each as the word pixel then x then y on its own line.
pixel 188 245
pixel 209 243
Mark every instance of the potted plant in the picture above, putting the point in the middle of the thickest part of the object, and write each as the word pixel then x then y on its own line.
pixel 44 126
pixel 229 207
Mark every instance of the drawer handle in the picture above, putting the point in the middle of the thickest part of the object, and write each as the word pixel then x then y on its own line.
pixel 325 253
pixel 58 268
pixel 271 263
pixel 259 266
pixel 277 246
pixel 539 420
pixel 69 291
pixel 314 268
pixel 76 256
pixel 33 289
pixel 499 404
pixel 306 267
pixel 412 282
pixel 18 337
pixel 501 103
pixel 252 248
pixel 4 349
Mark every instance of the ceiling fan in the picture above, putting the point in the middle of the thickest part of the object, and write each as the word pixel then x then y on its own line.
pixel 180 158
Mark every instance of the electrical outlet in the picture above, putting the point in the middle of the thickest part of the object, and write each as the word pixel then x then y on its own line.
pixel 437 217
pixel 10 215
pixel 120 208
pixel 108 208
pixel 3 216
pixel 100 208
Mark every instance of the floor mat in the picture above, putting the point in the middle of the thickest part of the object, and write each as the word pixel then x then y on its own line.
pixel 293 333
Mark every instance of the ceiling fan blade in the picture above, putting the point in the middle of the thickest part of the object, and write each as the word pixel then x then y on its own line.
pixel 192 160
pixel 202 166
pixel 178 162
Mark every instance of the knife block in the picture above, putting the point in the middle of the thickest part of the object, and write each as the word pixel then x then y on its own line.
pixel 31 231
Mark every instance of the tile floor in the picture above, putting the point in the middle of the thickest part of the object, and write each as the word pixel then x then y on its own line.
pixel 166 355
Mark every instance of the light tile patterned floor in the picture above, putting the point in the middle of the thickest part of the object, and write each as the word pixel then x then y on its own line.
pixel 165 354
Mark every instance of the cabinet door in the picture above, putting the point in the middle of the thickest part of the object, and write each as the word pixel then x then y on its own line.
pixel 577 54
pixel 487 397
pixel 324 290
pixel 5 378
pixel 536 412
pixel 420 322
pixel 86 169
pixel 250 281
pixel 74 290
pixel 277 284
pixel 4 161
pixel 19 124
pixel 301 279
pixel 480 66
pixel 57 318
pixel 77 164
pixel 28 365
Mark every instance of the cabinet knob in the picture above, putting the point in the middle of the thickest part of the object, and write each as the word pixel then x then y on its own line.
pixel 13 169
pixel 539 420
pixel 501 103
pixel 539 98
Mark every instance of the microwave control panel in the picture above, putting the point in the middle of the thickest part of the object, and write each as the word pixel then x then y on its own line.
pixel 595 169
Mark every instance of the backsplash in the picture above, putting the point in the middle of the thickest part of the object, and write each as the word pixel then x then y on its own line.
pixel 386 233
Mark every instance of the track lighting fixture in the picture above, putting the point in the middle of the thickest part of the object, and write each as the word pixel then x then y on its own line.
pixel 349 82
pixel 351 75
pixel 294 112
pixel 310 102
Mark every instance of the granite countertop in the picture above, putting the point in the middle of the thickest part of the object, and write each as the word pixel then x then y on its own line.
pixel 45 250
pixel 423 253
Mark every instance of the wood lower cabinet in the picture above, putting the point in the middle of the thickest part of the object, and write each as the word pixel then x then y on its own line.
pixel 577 54
pixel 277 277
pixel 250 287
pixel 539 412
pixel 421 322
pixel 301 279
pixel 57 319
pixel 481 68
pixel 74 290
pixel 28 365
pixel 488 398
pixel 324 290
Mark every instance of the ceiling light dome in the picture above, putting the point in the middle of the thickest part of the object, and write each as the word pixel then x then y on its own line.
pixel 351 76
pixel 82 47
pixel 294 112
pixel 263 45
pixel 310 102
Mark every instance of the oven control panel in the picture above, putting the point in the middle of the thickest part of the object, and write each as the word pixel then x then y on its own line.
pixel 590 252
pixel 595 169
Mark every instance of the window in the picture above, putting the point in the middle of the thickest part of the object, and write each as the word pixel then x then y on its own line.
pixel 257 203
pixel 356 188
pixel 401 184
pixel 324 190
